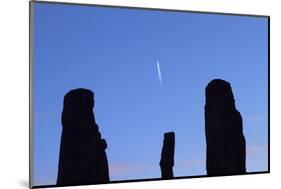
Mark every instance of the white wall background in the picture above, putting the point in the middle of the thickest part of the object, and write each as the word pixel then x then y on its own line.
pixel 14 92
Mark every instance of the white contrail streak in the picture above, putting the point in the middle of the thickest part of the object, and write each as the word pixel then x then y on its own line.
pixel 159 73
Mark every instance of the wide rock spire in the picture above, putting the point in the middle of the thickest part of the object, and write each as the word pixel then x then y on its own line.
pixel 226 152
pixel 82 150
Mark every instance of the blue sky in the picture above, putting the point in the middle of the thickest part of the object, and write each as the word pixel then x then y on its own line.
pixel 114 53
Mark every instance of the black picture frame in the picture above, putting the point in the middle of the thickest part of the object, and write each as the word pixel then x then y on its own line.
pixel 31 97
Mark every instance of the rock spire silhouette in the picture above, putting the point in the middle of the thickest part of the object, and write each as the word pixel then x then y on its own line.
pixel 226 153
pixel 167 156
pixel 82 158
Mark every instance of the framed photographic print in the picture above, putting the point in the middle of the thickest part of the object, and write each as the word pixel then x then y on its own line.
pixel 124 94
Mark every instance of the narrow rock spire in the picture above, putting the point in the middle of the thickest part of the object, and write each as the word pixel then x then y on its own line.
pixel 167 156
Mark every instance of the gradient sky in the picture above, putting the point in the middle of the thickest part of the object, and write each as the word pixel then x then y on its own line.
pixel 114 53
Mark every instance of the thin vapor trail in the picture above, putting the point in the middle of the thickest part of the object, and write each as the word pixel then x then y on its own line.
pixel 159 73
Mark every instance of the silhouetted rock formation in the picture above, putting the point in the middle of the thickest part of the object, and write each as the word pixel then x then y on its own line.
pixel 167 156
pixel 82 150
pixel 224 131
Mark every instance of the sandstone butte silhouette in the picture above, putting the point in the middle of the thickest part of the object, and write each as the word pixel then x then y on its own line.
pixel 167 156
pixel 82 158
pixel 224 131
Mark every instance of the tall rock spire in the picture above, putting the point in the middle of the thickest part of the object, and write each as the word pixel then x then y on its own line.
pixel 224 131
pixel 82 157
